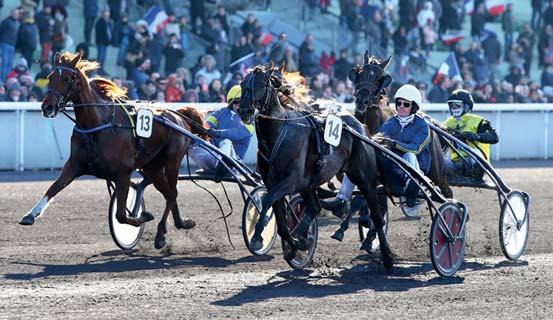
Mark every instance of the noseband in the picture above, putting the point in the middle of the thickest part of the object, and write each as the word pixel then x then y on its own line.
pixel 364 85
pixel 62 97
pixel 262 104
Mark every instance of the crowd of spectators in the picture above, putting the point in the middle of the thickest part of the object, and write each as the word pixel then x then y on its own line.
pixel 154 68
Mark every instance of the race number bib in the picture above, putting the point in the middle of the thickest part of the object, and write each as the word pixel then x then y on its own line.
pixel 333 130
pixel 144 123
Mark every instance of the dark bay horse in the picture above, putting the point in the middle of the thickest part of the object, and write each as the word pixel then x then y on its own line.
pixel 372 108
pixel 103 143
pixel 290 163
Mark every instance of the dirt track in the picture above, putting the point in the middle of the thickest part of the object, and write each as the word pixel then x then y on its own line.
pixel 66 265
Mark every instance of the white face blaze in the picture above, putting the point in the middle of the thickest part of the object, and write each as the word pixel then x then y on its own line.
pixel 39 207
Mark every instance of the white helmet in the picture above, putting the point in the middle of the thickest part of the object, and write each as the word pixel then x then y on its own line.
pixel 410 93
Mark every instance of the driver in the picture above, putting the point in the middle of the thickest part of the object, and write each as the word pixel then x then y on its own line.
pixel 228 132
pixel 472 129
pixel 407 134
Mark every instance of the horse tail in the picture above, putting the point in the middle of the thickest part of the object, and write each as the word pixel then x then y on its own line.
pixel 195 120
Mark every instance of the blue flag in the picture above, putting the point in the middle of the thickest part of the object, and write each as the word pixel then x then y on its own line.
pixel 448 68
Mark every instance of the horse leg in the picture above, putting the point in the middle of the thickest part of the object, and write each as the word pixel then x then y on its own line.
pixel 69 172
pixel 122 184
pixel 344 224
pixel 312 209
pixel 279 209
pixel 171 176
pixel 275 193
pixel 369 192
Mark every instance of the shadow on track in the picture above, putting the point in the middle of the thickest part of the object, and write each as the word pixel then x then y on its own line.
pixel 118 261
pixel 320 283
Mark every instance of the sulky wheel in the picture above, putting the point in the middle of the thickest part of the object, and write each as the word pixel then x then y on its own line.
pixel 514 221
pixel 447 250
pixel 250 216
pixel 126 236
pixel 294 213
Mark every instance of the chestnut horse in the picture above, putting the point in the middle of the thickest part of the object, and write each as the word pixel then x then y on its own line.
pixel 103 143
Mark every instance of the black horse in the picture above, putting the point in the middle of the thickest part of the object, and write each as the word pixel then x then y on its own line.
pixel 291 162
pixel 372 109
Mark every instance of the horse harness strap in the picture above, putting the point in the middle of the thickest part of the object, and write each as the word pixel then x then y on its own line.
pixel 273 153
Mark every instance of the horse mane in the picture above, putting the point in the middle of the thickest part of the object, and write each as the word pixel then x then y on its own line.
pixel 108 89
pixel 195 119
pixel 103 86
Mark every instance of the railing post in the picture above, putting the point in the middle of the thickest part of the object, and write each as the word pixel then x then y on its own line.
pixel 546 135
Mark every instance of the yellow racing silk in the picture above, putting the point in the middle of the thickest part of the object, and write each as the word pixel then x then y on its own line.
pixel 468 123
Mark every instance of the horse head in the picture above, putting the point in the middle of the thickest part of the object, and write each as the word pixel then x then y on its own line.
pixel 62 85
pixel 258 91
pixel 369 80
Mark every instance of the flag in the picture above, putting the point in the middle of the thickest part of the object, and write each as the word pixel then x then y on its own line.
pixel 469 7
pixel 450 38
pixel 448 68
pixel 485 34
pixel 495 7
pixel 243 64
pixel 156 18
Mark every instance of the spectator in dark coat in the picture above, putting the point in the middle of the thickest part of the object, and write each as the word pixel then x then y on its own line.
pixel 197 10
pixel 527 41
pixel 545 44
pixel 438 93
pixel 407 13
pixel 547 76
pixel 514 76
pixel 492 54
pixel 249 24
pixel 507 25
pixel 241 49
pixel 277 51
pixel 222 16
pixel 308 60
pixel 173 54
pixel 342 66
pixel 548 14
pixel 45 24
pixel 537 6
pixel 8 39
pixel 117 9
pixel 477 22
pixel 104 37
pixel 27 38
pixel 90 8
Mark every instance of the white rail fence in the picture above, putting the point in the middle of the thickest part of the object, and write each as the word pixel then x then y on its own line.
pixel 30 141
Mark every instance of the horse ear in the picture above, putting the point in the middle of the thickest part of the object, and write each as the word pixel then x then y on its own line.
pixel 385 63
pixel 57 58
pixel 385 81
pixel 282 67
pixel 352 75
pixel 76 59
pixel 366 57
pixel 271 66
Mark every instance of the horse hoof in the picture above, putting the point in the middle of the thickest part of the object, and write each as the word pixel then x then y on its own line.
pixel 186 224
pixel 304 243
pixel 388 261
pixel 147 216
pixel 367 245
pixel 289 254
pixel 338 235
pixel 159 242
pixel 27 220
pixel 256 243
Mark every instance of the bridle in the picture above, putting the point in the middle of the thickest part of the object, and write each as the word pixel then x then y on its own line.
pixel 364 86
pixel 61 98
pixel 262 104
